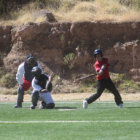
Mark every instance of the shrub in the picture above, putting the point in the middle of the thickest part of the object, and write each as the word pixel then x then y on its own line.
pixel 123 83
pixel 2 71
pixel 10 91
pixel 131 3
pixel 69 60
pixel 8 80
pixel 2 6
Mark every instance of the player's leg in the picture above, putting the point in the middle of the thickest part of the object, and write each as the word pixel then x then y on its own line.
pixel 111 87
pixel 100 89
pixel 20 94
pixel 47 102
pixel 50 106
pixel 35 98
pixel 42 105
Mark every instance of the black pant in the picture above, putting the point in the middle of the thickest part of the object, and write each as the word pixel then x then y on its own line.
pixel 102 85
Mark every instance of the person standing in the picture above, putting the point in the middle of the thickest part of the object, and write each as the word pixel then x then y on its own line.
pixel 24 77
pixel 104 81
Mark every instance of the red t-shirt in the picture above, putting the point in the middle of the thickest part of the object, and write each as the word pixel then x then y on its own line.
pixel 98 66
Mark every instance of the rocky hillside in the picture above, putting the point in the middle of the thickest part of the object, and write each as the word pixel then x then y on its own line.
pixel 67 48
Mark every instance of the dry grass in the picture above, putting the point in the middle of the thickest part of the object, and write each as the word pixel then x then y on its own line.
pixel 72 11
pixel 74 97
pixel 6 91
pixel 99 10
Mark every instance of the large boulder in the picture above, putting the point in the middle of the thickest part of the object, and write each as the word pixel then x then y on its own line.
pixel 45 14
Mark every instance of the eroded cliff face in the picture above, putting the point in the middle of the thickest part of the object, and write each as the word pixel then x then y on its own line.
pixel 5 41
pixel 125 58
pixel 52 42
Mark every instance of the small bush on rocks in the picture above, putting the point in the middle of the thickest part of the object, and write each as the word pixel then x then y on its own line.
pixel 8 80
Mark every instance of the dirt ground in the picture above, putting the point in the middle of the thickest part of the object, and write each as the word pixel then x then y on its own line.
pixel 75 97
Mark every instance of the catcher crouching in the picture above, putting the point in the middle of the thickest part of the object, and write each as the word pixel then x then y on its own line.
pixel 42 88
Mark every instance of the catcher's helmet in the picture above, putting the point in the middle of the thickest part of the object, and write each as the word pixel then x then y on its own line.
pixel 36 71
pixel 98 51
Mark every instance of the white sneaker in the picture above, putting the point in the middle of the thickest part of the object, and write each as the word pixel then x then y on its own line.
pixel 120 105
pixel 85 104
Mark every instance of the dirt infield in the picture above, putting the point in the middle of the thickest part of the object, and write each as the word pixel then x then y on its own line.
pixel 75 97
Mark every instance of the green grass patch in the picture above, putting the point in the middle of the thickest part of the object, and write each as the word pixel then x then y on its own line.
pixel 101 125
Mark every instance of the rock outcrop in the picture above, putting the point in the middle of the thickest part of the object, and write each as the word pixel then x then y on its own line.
pixel 5 41
pixel 51 42
pixel 45 14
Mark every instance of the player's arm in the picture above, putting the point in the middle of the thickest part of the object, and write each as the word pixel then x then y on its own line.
pixel 101 71
pixel 42 72
pixel 20 73
pixel 49 83
pixel 35 86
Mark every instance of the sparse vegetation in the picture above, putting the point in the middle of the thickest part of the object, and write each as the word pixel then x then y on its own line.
pixel 56 79
pixel 2 71
pixel 8 91
pixel 69 60
pixel 125 84
pixel 88 86
pixel 73 10
pixel 8 80
pixel 131 3
pixel 130 86
pixel 76 10
pixel 122 83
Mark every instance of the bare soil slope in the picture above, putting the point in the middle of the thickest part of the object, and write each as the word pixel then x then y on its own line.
pixel 75 97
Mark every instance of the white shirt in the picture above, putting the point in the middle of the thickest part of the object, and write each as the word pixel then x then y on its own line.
pixel 45 96
pixel 21 71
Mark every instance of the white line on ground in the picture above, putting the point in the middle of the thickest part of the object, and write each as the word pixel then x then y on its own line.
pixel 96 121
pixel 72 102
